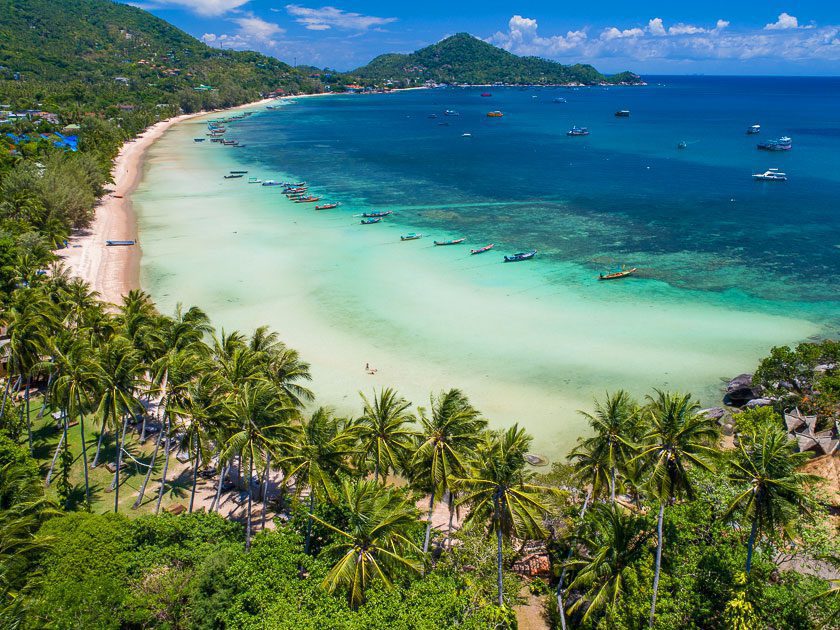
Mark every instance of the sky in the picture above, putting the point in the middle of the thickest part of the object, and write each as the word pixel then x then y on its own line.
pixel 647 36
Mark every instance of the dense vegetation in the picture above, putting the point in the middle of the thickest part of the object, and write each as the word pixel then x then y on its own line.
pixel 463 58
pixel 107 408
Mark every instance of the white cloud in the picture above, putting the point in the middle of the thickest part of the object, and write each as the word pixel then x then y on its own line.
pixel 329 17
pixel 614 33
pixel 655 27
pixel 679 43
pixel 202 7
pixel 784 22
pixel 253 33
pixel 522 38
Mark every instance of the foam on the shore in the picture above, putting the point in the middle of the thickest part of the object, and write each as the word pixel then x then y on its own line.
pixel 521 340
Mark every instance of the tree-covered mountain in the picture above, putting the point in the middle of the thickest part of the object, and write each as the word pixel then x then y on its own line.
pixel 463 58
pixel 93 54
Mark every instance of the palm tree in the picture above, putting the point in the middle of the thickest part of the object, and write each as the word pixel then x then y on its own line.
pixel 500 494
pixel 118 373
pixel 448 438
pixel 28 322
pixel 592 470
pixel 375 545
pixel 383 431
pixel 613 425
pixel 265 422
pixel 282 366
pixel 318 453
pixel 832 595
pixel 675 437
pixel 773 491
pixel 613 542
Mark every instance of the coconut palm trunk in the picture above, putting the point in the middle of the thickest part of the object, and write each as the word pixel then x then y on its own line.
pixel 250 499
pixel 28 418
pixel 148 476
pixel 562 580
pixel 265 489
pixel 751 544
pixel 116 483
pixel 195 475
pixel 84 448
pixel 6 394
pixel 309 520
pixel 165 430
pixel 95 462
pixel 46 396
pixel 216 504
pixel 658 561
pixel 499 581
pixel 429 523
pixel 55 456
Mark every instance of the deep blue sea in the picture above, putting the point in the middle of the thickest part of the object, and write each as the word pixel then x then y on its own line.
pixel 693 218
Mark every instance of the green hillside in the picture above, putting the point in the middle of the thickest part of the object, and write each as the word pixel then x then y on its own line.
pixel 97 53
pixel 463 58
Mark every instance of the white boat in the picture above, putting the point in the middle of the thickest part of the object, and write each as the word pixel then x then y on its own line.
pixel 754 130
pixel 466 135
pixel 770 175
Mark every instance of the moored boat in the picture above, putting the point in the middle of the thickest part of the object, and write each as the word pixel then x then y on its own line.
pixel 232 176
pixel 271 182
pixel 486 94
pixel 481 250
pixel 619 273
pixel 770 175
pixel 238 172
pixel 327 206
pixel 578 131
pixel 754 129
pixel 520 256
pixel 782 144
pixel 451 112
pixel 199 139
pixel 622 113
pixel 373 215
pixel 454 241
pixel 411 236
pixel 254 180
pixel 682 145
pixel 495 114
pixel 371 220
pixel 307 199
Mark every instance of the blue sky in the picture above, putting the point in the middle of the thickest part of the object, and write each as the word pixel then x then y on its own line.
pixel 655 37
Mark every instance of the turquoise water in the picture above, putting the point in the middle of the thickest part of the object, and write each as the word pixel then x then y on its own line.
pixel 728 267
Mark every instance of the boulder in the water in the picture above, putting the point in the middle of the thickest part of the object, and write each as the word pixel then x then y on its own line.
pixel 740 390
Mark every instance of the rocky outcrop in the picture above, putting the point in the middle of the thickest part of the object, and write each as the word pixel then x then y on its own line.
pixel 740 390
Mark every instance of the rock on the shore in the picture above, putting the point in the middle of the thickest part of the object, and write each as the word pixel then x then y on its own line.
pixel 758 402
pixel 740 390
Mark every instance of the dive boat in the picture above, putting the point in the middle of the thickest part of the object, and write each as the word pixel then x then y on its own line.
pixel 770 175
pixel 370 221
pixel 232 176
pixel 374 215
pixel 451 112
pixel 520 256
pixel 782 144
pixel 615 275
pixel 411 236
pixel 622 113
pixel 751 131
pixel 481 250
pixel 455 241
pixel 327 206
pixel 495 114
pixel 578 131
pixel 307 199
pixel 682 145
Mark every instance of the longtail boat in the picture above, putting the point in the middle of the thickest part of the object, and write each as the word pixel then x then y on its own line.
pixel 255 180
pixel 307 199
pixel 370 221
pixel 232 176
pixel 455 241
pixel 481 250
pixel 615 275
pixel 294 184
pixel 118 243
pixel 373 215
pixel 520 256
pixel 327 206
pixel 270 182
pixel 294 191
pixel 238 172
pixel 412 236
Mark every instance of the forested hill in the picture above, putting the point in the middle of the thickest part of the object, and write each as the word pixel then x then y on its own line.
pixel 97 53
pixel 463 58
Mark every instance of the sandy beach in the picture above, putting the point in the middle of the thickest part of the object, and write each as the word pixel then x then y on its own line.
pixel 114 271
